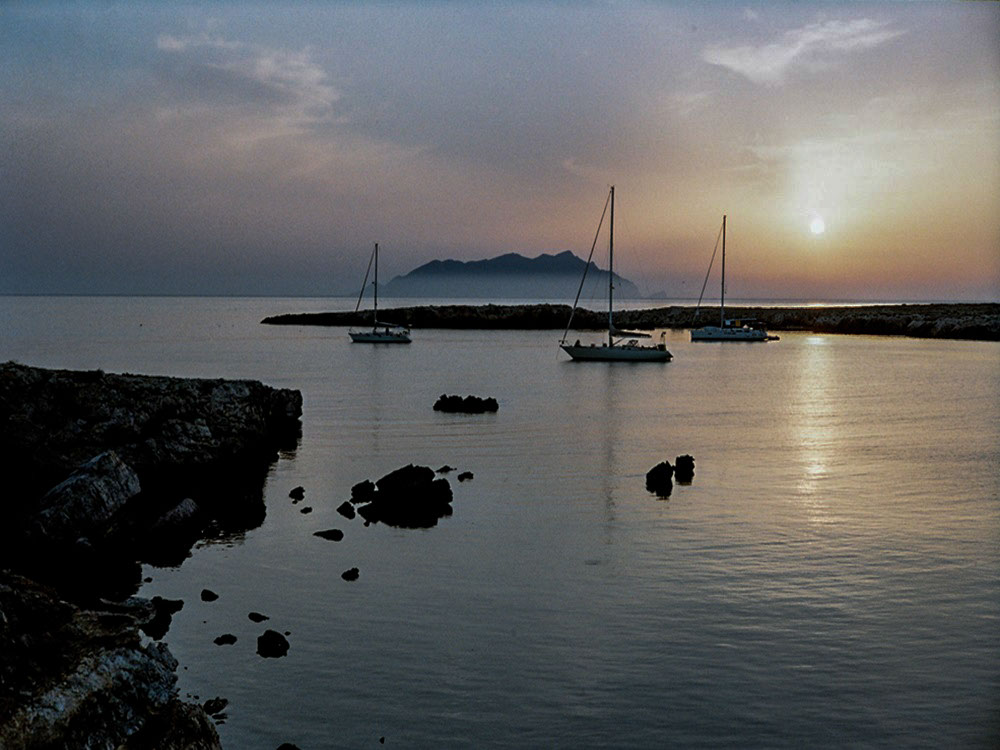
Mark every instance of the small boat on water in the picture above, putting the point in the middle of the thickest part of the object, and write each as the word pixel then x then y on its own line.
pixel 621 346
pixel 729 329
pixel 380 333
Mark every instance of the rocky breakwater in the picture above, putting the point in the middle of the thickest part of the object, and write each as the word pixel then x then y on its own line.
pixel 103 472
pixel 980 321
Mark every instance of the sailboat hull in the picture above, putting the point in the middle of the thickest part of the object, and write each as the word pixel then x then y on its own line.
pixel 717 333
pixel 380 337
pixel 624 353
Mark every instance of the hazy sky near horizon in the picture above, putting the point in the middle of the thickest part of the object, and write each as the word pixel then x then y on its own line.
pixel 260 148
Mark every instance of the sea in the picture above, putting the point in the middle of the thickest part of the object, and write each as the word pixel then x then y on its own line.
pixel 829 579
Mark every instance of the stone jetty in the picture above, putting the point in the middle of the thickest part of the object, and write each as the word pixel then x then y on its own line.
pixel 979 321
pixel 103 472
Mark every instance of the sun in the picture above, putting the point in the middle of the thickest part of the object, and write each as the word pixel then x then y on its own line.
pixel 817 225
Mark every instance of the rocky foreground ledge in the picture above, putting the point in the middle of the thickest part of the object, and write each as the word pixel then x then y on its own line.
pixel 103 472
pixel 954 321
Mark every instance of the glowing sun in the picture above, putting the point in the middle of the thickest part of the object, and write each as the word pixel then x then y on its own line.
pixel 817 225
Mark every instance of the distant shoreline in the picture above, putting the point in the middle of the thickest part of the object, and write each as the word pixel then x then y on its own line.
pixel 971 321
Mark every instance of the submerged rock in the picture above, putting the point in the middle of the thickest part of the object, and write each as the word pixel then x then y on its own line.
pixel 659 479
pixel 333 535
pixel 465 476
pixel 351 575
pixel 207 595
pixel 467 405
pixel 410 497
pixel 226 639
pixel 215 706
pixel 272 644
pixel 445 469
pixel 257 617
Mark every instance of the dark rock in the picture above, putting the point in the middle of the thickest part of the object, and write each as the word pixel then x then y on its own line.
pixel 83 504
pixel 297 493
pixel 684 469
pixel 170 537
pixel 226 639
pixel 334 535
pixel 214 706
pixel 257 617
pixel 163 610
pixel 410 497
pixel 445 469
pixel 465 476
pixel 467 405
pixel 362 492
pixel 272 644
pixel 73 677
pixel 306 509
pixel 351 575
pixel 287 746
pixel 207 595
pixel 346 510
pixel 658 479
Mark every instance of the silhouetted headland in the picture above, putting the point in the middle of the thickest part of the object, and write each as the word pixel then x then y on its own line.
pixel 980 321
pixel 104 471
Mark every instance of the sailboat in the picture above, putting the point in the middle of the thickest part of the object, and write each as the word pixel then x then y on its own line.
pixel 728 329
pixel 621 346
pixel 381 333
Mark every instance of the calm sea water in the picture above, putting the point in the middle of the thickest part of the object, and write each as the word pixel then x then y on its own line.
pixel 830 579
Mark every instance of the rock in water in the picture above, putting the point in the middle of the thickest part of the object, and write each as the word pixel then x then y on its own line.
pixel 346 510
pixel 272 644
pixel 334 535
pixel 207 595
pixel 658 479
pixel 684 469
pixel 465 476
pixel 226 639
pixel 467 405
pixel 363 492
pixel 351 575
pixel 411 497
pixel 257 617
pixel 297 493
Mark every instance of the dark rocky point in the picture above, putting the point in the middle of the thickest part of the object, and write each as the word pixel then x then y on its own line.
pixel 333 535
pixel 411 497
pixel 272 644
pixel 103 471
pixel 257 617
pixel 351 575
pixel 226 639
pixel 363 492
pixel 207 595
pixel 346 510
pixel 467 405
pixel 658 479
pixel 684 469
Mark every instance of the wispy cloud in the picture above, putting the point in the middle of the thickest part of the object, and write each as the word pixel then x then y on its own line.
pixel 815 44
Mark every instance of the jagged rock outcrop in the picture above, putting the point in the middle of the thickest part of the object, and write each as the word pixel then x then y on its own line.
pixel 73 677
pixel 659 479
pixel 467 405
pixel 102 466
pixel 411 497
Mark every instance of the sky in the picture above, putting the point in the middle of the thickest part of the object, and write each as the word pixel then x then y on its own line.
pixel 261 148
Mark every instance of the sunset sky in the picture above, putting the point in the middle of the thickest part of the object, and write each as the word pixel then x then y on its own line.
pixel 242 148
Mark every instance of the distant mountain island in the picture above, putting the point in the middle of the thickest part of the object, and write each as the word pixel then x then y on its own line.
pixel 510 276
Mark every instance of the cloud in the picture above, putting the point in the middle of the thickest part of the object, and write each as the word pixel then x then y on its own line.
pixel 814 44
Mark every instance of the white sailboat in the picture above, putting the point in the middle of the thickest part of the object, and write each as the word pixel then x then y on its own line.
pixel 621 346
pixel 380 333
pixel 731 329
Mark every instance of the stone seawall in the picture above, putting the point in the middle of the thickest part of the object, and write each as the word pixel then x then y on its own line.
pixel 960 321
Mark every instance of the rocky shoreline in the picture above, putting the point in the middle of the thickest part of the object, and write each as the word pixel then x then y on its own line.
pixel 976 321
pixel 105 472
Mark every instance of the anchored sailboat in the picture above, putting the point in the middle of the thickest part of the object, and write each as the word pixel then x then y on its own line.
pixel 728 329
pixel 381 333
pixel 622 346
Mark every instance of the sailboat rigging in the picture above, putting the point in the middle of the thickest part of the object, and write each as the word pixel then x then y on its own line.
pixel 381 333
pixel 731 329
pixel 622 346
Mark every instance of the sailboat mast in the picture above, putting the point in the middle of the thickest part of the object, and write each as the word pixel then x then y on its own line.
pixel 375 288
pixel 611 269
pixel 722 307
